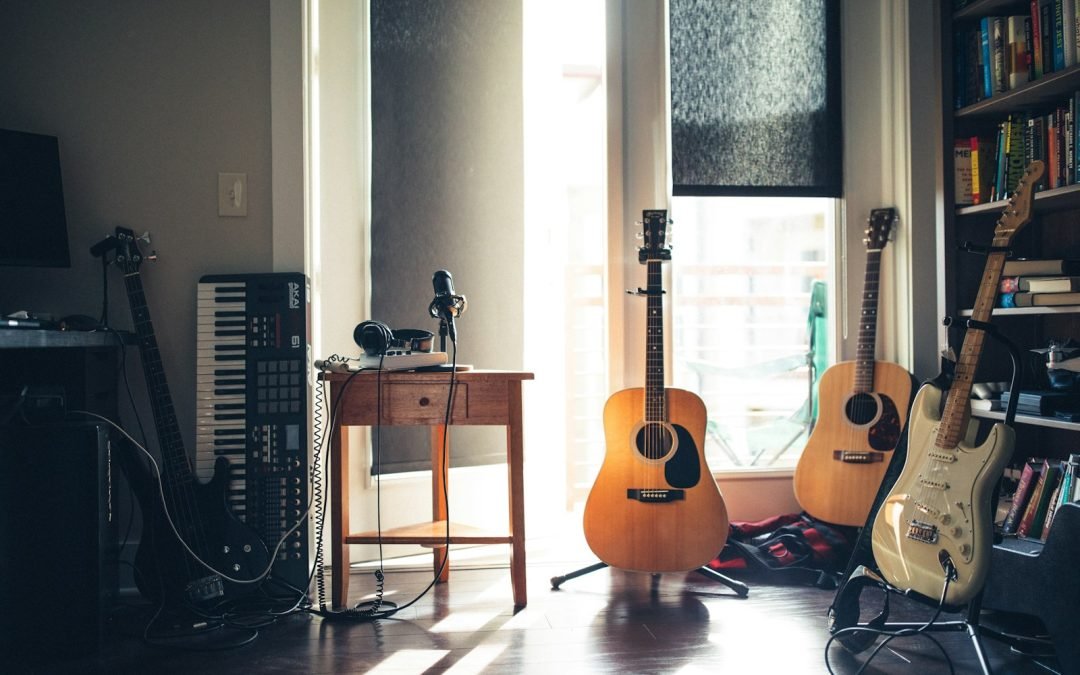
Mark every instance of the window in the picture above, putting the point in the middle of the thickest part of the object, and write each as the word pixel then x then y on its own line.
pixel 748 279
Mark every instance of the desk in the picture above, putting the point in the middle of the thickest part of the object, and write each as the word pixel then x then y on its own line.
pixel 481 397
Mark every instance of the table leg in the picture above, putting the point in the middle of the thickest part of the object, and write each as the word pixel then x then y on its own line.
pixel 339 516
pixel 440 475
pixel 515 481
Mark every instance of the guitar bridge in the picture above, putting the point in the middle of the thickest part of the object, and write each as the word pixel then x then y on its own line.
pixel 857 456
pixel 924 532
pixel 655 494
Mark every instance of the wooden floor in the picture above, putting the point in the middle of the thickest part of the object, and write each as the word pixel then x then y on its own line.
pixel 608 621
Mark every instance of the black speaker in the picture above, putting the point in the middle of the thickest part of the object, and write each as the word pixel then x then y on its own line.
pixel 58 543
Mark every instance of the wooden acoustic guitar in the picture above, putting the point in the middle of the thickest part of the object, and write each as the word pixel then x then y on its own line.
pixel 935 527
pixel 655 506
pixel 862 409
pixel 165 569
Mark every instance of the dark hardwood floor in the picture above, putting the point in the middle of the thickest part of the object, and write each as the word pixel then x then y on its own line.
pixel 608 621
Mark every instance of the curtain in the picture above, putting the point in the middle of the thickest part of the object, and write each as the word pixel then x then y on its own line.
pixel 755 97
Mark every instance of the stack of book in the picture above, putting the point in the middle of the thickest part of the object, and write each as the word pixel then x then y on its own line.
pixel 1043 402
pixel 1045 484
pixel 1040 283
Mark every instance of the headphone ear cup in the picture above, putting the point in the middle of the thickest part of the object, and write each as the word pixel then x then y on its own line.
pixel 374 337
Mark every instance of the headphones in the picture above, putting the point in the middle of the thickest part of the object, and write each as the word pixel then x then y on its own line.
pixel 376 338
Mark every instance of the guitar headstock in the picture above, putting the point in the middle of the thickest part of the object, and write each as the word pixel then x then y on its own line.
pixel 128 255
pixel 654 229
pixel 879 228
pixel 1017 212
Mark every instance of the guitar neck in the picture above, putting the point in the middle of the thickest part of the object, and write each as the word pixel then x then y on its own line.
pixel 867 344
pixel 957 411
pixel 175 465
pixel 654 346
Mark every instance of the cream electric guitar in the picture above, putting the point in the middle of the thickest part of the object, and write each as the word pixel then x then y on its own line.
pixel 864 405
pixel 935 527
pixel 655 506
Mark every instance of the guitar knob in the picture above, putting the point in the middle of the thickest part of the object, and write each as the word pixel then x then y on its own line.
pixel 965 550
pixel 946 519
pixel 957 531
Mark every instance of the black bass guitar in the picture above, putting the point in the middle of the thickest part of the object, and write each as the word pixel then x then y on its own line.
pixel 184 521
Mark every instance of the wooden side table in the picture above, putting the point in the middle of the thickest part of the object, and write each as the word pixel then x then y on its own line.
pixel 485 397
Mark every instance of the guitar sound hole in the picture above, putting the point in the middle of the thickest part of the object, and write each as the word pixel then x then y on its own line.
pixel 861 408
pixel 654 440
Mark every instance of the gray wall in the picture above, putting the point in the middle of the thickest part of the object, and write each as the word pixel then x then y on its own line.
pixel 447 189
pixel 150 100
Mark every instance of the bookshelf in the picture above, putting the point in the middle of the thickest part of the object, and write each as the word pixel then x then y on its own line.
pixel 1053 233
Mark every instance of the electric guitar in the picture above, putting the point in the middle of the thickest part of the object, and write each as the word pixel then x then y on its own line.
pixel 655 506
pixel 935 527
pixel 165 570
pixel 862 410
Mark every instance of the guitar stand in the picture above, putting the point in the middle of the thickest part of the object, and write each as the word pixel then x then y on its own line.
pixel 741 589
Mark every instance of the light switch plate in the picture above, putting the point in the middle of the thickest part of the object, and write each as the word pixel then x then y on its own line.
pixel 232 194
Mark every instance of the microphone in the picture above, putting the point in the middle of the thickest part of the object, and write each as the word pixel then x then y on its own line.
pixel 446 304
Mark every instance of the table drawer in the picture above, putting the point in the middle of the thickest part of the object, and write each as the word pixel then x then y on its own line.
pixel 424 403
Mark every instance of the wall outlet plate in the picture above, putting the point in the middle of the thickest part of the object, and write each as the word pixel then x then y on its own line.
pixel 232 194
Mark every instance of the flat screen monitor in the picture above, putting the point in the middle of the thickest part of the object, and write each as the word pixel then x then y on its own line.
pixel 33 223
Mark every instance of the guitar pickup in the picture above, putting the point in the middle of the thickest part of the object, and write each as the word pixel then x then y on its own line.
pixel 924 532
pixel 655 494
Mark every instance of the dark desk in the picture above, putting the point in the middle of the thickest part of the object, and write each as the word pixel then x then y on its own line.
pixel 481 397
pixel 84 365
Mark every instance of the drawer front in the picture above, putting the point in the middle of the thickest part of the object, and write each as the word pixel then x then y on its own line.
pixel 424 403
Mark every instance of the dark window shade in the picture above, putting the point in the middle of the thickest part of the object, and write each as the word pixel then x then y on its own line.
pixel 755 98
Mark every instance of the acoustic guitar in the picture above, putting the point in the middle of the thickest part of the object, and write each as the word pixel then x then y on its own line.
pixel 933 533
pixel 166 569
pixel 655 506
pixel 863 405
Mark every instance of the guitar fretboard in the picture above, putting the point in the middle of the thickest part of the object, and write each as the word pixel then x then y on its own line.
pixel 175 467
pixel 654 346
pixel 865 350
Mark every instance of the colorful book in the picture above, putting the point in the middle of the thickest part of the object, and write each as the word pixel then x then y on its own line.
pixel 1020 267
pixel 1046 25
pixel 1059 36
pixel 1068 21
pixel 1009 284
pixel 986 56
pixel 1007 299
pixel 1048 284
pixel 1035 515
pixel 998 55
pixel 1028 477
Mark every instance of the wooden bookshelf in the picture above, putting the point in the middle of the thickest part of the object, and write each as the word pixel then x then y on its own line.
pixel 1053 233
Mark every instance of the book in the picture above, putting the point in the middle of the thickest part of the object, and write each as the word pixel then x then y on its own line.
pixel 1040 267
pixel 998 56
pixel 1035 45
pixel 1055 299
pixel 1009 284
pixel 1043 401
pixel 1016 46
pixel 1059 36
pixel 986 56
pixel 1048 284
pixel 1007 299
pixel 962 171
pixel 1032 522
pixel 1046 26
pixel 1051 476
pixel 1028 477
pixel 1064 487
pixel 982 176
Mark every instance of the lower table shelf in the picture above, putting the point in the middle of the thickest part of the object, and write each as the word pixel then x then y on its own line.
pixel 431 534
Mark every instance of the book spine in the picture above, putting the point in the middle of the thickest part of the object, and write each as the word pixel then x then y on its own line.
pixel 985 30
pixel 1046 22
pixel 962 172
pixel 1035 44
pixel 977 195
pixel 998 54
pixel 1016 51
pixel 1059 36
pixel 1009 284
pixel 1070 142
pixel 1051 507
pixel 1007 299
pixel 1020 497
pixel 1015 160
pixel 1024 528
pixel 1068 24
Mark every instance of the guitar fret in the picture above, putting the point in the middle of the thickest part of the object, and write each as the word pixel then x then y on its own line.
pixel 867 332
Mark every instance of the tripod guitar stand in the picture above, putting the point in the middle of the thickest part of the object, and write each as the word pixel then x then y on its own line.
pixel 741 589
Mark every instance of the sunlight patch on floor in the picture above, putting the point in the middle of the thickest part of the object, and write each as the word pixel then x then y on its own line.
pixel 409 661
pixel 476 660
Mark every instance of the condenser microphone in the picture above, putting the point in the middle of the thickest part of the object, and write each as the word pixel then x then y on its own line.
pixel 446 304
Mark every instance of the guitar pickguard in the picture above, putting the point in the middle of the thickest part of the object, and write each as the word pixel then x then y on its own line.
pixel 885 434
pixel 683 470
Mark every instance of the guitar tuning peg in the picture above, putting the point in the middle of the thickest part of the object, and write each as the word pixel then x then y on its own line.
pixel 144 237
pixel 639 235
pixel 152 256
